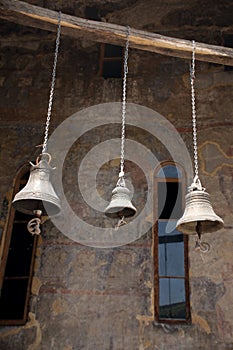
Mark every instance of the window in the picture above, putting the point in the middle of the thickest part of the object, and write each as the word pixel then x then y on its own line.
pixel 92 12
pixel 111 61
pixel 228 42
pixel 17 262
pixel 171 248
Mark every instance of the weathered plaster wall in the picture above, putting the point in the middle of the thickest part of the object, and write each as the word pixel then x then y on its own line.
pixel 86 298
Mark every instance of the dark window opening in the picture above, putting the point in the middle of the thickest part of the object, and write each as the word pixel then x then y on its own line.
pixel 170 200
pixel 92 13
pixel 111 61
pixel 112 51
pixel 17 265
pixel 171 249
pixel 13 299
pixel 20 251
pixel 228 42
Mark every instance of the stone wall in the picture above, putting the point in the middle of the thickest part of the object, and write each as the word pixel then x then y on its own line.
pixel 103 298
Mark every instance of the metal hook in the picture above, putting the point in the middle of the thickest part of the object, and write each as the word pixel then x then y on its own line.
pixel 196 184
pixel 121 181
pixel 33 226
pixel 42 156
pixel 204 247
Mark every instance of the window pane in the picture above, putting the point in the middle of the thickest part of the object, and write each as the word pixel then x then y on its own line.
pixel 169 171
pixel 162 260
pixel 171 252
pixel 170 200
pixel 12 300
pixel 167 227
pixel 175 259
pixel 164 292
pixel 172 298
pixel 171 259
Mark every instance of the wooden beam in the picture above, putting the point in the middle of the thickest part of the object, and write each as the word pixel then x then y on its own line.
pixel 38 17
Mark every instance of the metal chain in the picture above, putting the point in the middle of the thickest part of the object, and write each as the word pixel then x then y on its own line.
pixel 44 148
pixel 194 118
pixel 121 174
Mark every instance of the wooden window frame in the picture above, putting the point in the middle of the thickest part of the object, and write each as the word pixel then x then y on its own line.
pixel 183 181
pixel 5 245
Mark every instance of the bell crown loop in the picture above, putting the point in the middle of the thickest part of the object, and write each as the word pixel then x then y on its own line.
pixel 121 181
pixel 196 185
pixel 42 165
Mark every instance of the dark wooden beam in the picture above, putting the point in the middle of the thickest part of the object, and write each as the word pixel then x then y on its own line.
pixel 34 16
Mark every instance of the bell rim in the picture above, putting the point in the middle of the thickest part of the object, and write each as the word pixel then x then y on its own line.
pixel 191 228
pixel 118 210
pixel 49 207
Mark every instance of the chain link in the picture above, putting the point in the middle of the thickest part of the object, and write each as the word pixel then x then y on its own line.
pixel 121 174
pixel 194 118
pixel 47 124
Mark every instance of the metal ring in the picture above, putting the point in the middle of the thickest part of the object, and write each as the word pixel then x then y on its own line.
pixel 33 226
pixel 41 156
pixel 204 247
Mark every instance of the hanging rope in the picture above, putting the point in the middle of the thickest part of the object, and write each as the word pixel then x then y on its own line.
pixel 121 174
pixel 47 124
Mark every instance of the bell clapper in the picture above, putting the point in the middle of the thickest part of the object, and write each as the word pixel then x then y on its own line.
pixel 33 225
pixel 120 223
pixel 203 247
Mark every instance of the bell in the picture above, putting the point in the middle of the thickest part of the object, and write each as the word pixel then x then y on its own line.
pixel 38 195
pixel 120 205
pixel 199 216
